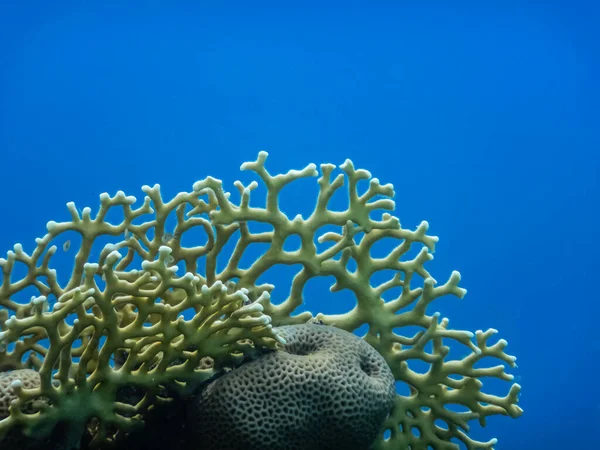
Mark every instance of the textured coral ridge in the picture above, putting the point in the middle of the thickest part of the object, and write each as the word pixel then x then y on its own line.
pixel 325 389
pixel 10 382
pixel 153 314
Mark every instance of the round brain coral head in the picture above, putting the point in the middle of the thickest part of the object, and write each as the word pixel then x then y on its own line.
pixel 327 389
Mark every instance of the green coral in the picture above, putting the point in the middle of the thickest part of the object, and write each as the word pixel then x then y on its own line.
pixel 125 318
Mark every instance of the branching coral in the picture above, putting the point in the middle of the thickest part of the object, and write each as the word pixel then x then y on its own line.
pixel 125 318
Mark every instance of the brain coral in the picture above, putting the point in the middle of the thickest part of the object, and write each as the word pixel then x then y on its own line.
pixel 326 389
pixel 23 378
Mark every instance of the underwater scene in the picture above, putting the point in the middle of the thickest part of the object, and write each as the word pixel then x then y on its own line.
pixel 303 226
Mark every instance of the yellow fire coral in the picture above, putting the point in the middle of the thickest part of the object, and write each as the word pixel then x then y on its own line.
pixel 125 331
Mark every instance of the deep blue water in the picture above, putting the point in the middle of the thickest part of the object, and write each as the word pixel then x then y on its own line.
pixel 485 118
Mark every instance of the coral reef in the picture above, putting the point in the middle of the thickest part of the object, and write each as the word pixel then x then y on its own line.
pixel 124 335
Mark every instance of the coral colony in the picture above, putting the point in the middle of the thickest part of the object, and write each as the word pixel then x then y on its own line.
pixel 147 319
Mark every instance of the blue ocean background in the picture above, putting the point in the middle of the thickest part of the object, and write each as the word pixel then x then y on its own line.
pixel 484 116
